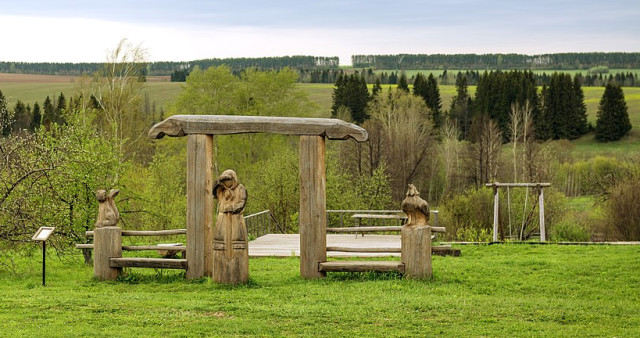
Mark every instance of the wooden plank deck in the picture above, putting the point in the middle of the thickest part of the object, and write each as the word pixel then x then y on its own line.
pixel 289 245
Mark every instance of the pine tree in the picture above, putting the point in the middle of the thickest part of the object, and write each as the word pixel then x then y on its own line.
pixel 613 116
pixel 403 84
pixel 36 117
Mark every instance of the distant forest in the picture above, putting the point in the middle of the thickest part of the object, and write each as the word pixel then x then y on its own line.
pixel 560 61
pixel 169 67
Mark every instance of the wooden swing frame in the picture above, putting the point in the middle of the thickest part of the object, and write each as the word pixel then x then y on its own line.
pixel 496 204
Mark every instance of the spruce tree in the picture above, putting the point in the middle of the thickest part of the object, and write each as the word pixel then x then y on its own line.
pixel 377 88
pixel 61 107
pixel 420 86
pixel 5 117
pixel 460 109
pixel 36 117
pixel 351 92
pixel 49 113
pixel 433 100
pixel 403 84
pixel 21 118
pixel 613 116
pixel 580 124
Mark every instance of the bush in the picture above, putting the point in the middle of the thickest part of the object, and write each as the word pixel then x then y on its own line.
pixel 467 216
pixel 569 232
pixel 623 212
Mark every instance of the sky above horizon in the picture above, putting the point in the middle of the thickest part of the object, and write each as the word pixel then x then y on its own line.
pixel 84 31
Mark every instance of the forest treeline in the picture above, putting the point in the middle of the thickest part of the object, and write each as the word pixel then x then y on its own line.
pixel 559 61
pixel 311 67
pixel 165 68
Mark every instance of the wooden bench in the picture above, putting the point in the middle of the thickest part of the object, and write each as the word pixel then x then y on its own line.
pixel 400 219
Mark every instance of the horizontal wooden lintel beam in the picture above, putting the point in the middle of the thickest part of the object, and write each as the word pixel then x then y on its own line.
pixel 181 125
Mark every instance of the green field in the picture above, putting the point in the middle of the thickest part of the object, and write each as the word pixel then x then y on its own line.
pixel 163 93
pixel 498 290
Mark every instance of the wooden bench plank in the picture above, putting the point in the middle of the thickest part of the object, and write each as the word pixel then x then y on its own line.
pixel 361 266
pixel 379 216
pixel 139 262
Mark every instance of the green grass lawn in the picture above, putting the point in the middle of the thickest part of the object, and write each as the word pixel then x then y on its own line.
pixel 499 290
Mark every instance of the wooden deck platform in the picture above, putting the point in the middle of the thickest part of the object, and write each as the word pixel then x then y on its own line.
pixel 289 245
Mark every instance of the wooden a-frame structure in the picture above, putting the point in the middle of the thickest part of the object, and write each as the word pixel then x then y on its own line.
pixel 199 130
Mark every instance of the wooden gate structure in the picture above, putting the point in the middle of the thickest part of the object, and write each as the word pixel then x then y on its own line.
pixel 200 129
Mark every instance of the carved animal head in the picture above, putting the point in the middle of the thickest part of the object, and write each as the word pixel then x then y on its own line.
pixel 412 191
pixel 101 195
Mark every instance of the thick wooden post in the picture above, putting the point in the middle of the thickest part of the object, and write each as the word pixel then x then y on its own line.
pixel 199 206
pixel 416 251
pixel 496 215
pixel 543 230
pixel 313 207
pixel 107 244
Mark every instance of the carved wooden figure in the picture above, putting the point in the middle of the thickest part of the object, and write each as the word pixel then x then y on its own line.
pixel 230 242
pixel 416 208
pixel 108 214
pixel 107 237
pixel 416 236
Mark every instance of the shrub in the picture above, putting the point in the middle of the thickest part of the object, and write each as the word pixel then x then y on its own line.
pixel 566 231
pixel 623 212
pixel 468 215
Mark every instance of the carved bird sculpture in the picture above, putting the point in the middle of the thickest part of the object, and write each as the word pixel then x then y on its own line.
pixel 415 207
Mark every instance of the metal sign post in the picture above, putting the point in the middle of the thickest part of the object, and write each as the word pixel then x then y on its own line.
pixel 41 236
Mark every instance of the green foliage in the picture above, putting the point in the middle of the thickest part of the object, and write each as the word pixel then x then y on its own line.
pixel 274 184
pixel 217 91
pixel 613 116
pixel 50 179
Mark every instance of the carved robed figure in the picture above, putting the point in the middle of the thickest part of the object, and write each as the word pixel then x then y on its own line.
pixel 230 242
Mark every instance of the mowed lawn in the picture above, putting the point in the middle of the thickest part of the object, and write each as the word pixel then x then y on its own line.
pixel 499 290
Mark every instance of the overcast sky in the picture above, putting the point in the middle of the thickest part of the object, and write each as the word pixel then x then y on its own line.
pixel 182 30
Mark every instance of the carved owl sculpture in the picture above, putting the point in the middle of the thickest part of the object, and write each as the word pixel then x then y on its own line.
pixel 415 207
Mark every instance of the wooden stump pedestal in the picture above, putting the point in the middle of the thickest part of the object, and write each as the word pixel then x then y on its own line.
pixel 416 251
pixel 107 243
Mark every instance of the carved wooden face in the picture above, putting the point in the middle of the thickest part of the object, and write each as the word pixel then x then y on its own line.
pixel 228 184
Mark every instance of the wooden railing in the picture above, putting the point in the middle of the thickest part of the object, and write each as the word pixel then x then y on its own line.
pixel 262 223
pixel 337 218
